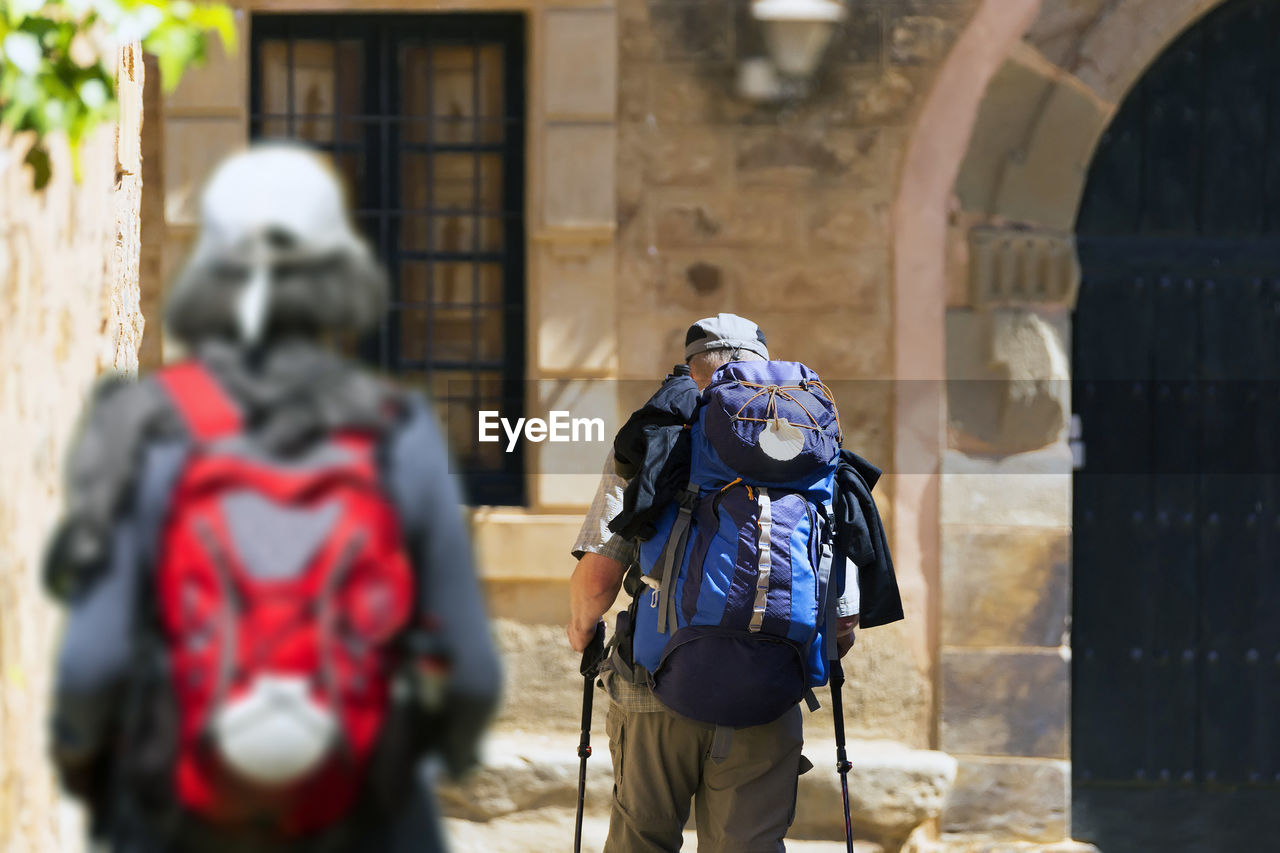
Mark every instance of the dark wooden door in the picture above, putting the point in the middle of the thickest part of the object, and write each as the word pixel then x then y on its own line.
pixel 1176 623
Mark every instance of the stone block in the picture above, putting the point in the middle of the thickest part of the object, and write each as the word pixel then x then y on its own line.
pixel 681 156
pixel 860 40
pixel 887 692
pixel 633 92
pixel 581 62
pixel 524 546
pixel 788 157
pixel 684 93
pixel 192 148
pixel 649 343
pixel 547 828
pixel 1005 702
pixel 741 219
pixel 841 219
pixel 1122 41
pixel 920 842
pixel 1058 28
pixel 920 39
pixel 866 417
pixel 819 158
pixel 1008 107
pixel 892 790
pixel 529 772
pixel 1006 586
pixel 702 31
pixel 1044 185
pixel 579 174
pixel 574 326
pixel 542 690
pixel 1008 379
pixel 883 100
pixel 854 281
pixel 631 191
pixel 636 39
pixel 1022 490
pixel 530 602
pixel 1023 800
pixel 638 281
pixel 957 10
pixel 704 281
pixel 841 345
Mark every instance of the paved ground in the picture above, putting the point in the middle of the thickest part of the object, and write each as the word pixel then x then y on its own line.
pixel 551 830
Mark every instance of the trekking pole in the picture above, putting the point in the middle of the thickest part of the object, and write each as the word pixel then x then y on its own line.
pixel 591 656
pixel 842 759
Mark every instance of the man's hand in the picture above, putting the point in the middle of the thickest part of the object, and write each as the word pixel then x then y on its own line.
pixel 844 633
pixel 579 639
pixel 592 589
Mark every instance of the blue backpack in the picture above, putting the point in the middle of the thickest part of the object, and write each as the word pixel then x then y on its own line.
pixel 734 624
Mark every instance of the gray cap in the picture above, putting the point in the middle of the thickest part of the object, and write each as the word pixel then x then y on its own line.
pixel 725 331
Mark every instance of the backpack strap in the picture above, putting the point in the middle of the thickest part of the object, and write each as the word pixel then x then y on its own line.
pixel 765 561
pixel 831 597
pixel 672 551
pixel 207 409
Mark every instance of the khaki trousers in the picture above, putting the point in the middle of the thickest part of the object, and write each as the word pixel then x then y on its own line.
pixel 744 804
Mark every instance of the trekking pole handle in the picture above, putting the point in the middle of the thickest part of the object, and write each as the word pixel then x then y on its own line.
pixel 593 653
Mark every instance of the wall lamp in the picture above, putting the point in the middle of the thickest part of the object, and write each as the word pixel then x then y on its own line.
pixel 796 33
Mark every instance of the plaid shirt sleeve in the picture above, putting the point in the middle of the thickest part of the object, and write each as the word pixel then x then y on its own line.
pixel 595 535
pixel 850 604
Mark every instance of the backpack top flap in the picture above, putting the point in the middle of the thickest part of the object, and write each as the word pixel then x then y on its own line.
pixel 772 423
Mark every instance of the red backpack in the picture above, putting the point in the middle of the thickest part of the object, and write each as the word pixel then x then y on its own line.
pixel 283 586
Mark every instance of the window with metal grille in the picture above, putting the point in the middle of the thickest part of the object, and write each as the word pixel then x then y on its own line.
pixel 423 116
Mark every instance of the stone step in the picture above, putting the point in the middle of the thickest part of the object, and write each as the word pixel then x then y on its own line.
pixel 551 829
pixel 959 844
pixel 892 788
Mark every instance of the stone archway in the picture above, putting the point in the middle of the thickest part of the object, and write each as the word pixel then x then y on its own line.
pixel 1002 261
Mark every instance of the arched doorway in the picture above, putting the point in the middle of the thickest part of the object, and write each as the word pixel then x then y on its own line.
pixel 1176 542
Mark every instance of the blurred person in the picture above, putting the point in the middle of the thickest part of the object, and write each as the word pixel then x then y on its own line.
pixel 726 734
pixel 273 608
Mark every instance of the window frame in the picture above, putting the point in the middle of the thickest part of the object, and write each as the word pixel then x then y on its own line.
pixel 382 35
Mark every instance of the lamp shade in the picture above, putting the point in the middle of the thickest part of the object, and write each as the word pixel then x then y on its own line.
pixel 797 31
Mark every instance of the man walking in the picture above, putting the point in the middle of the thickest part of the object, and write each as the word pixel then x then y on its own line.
pixel 744 794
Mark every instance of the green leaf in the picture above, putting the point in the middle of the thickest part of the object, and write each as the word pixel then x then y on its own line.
pixel 38 159
pixel 51 80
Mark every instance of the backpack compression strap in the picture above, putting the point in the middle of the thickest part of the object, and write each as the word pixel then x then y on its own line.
pixel 672 552
pixel 205 407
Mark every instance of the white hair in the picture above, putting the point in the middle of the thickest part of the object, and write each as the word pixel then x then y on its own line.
pixel 702 365
pixel 712 359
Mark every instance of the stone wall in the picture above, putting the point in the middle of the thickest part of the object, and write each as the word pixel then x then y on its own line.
pixel 780 213
pixel 69 291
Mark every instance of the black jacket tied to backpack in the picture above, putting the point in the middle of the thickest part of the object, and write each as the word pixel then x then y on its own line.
pixel 860 536
pixel 652 452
